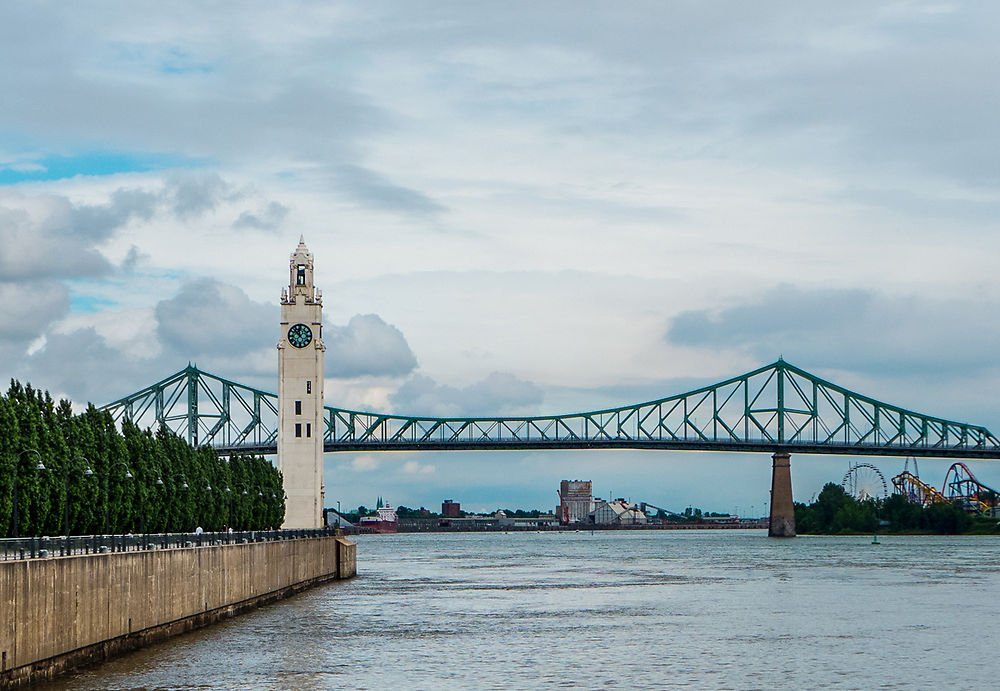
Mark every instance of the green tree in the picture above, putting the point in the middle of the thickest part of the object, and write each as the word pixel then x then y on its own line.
pixel 948 519
pixel 140 480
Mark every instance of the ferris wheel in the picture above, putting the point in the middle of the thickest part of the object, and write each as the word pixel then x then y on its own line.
pixel 865 481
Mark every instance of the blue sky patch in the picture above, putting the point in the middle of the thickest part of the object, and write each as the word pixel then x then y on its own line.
pixel 88 304
pixel 177 61
pixel 94 163
pixel 158 58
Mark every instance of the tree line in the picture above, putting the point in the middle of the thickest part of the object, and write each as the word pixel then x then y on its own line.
pixel 836 511
pixel 120 481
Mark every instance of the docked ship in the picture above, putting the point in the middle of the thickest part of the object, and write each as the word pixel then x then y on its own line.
pixel 386 520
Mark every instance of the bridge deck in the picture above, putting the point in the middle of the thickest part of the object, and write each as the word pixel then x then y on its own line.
pixel 742 447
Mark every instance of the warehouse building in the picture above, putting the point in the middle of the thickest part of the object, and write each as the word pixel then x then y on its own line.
pixel 617 512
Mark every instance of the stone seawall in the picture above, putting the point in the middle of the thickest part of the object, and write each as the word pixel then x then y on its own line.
pixel 59 613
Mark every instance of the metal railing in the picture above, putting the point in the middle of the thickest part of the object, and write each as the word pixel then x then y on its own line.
pixel 45 547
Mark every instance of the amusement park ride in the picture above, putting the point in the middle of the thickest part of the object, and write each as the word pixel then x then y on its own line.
pixel 865 481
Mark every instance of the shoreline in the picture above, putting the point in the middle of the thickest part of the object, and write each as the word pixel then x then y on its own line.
pixel 574 528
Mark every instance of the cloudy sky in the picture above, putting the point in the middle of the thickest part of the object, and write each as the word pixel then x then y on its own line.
pixel 514 208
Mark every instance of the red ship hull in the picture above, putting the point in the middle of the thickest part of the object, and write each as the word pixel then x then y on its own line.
pixel 380 526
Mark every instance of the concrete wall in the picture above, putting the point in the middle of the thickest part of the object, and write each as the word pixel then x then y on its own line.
pixel 61 612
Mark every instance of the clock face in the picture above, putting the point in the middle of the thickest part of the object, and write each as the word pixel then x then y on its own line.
pixel 300 336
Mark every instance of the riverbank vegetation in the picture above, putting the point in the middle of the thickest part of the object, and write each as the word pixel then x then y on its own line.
pixel 126 480
pixel 837 512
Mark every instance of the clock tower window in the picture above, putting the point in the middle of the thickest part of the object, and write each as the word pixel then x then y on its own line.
pixel 300 275
pixel 298 407
pixel 298 429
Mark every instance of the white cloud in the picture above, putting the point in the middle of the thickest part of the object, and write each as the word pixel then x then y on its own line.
pixel 367 346
pixel 208 317
pixel 268 218
pixel 364 464
pixel 416 468
pixel 858 330
pixel 500 393
pixel 29 307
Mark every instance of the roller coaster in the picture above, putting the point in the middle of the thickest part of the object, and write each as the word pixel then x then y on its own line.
pixel 916 490
pixel 960 485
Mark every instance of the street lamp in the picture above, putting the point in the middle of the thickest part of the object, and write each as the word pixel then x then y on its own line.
pixel 184 484
pixel 107 492
pixel 208 488
pixel 142 516
pixel 40 466
pixel 244 493
pixel 87 472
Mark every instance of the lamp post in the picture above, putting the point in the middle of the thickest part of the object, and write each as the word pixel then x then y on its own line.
pixel 184 483
pixel 107 491
pixel 159 483
pixel 40 466
pixel 87 472
pixel 208 490
pixel 245 492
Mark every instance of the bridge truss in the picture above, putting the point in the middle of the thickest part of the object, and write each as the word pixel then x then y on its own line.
pixel 778 407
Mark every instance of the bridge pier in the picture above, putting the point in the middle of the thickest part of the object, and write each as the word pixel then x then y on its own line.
pixel 782 520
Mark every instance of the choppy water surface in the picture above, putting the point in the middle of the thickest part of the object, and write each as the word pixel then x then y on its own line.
pixel 712 609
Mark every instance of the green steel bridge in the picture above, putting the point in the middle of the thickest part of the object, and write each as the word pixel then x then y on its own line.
pixel 774 409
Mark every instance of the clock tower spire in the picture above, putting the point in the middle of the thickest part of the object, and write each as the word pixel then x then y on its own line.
pixel 300 394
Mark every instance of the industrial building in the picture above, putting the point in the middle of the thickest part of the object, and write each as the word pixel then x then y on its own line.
pixel 545 520
pixel 451 509
pixel 576 501
pixel 617 512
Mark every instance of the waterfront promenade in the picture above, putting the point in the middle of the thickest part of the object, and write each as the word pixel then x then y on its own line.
pixel 86 606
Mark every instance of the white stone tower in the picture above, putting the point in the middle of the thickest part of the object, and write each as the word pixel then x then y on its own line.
pixel 300 394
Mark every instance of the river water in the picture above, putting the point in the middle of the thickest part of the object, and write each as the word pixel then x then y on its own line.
pixel 608 610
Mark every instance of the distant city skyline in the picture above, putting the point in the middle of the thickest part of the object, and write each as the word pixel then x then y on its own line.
pixel 514 209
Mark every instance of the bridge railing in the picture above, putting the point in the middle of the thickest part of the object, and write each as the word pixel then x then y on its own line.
pixel 45 547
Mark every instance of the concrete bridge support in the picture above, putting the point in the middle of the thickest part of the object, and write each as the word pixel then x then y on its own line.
pixel 782 522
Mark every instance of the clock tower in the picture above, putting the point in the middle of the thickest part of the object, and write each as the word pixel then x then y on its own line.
pixel 300 394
